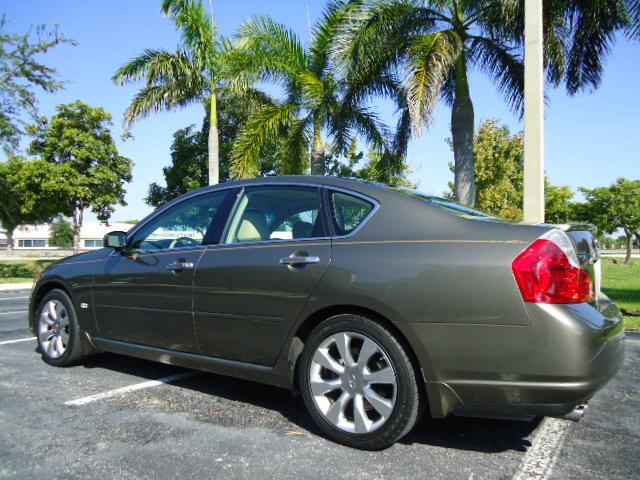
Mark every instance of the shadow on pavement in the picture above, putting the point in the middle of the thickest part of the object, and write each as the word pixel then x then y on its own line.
pixel 248 400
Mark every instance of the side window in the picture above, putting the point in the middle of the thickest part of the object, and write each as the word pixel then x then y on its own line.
pixel 276 213
pixel 184 225
pixel 348 212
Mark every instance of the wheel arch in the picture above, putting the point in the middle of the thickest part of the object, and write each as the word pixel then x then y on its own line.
pixel 305 328
pixel 38 294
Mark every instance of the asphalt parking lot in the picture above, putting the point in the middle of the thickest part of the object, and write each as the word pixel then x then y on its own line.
pixel 75 423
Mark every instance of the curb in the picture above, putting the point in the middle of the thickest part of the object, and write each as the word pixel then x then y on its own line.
pixel 7 287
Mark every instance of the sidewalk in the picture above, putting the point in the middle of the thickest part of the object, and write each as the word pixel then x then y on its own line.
pixel 4 287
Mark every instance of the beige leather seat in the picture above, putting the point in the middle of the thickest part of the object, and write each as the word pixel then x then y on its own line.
pixel 252 228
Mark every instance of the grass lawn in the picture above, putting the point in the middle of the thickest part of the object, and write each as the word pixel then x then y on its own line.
pixel 622 285
pixel 20 271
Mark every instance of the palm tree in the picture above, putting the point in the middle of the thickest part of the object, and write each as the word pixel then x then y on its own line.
pixel 194 73
pixel 315 99
pixel 433 45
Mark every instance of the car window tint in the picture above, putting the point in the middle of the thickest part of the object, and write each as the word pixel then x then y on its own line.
pixel 348 212
pixel 276 213
pixel 183 225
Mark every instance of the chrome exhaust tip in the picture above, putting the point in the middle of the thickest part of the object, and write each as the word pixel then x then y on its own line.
pixel 577 413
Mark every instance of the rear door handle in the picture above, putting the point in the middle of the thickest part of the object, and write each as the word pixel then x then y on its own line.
pixel 294 260
pixel 177 266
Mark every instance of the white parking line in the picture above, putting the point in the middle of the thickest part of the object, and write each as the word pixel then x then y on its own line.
pixel 539 460
pixel 13 298
pixel 130 388
pixel 7 342
pixel 14 312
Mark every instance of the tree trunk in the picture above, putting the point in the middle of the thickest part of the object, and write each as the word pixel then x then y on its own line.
pixel 9 241
pixel 627 259
pixel 213 141
pixel 462 138
pixel 78 215
pixel 317 154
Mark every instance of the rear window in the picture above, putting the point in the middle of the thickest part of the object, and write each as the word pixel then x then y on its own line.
pixel 349 212
pixel 448 205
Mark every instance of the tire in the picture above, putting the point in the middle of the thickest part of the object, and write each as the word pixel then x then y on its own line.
pixel 359 423
pixel 59 321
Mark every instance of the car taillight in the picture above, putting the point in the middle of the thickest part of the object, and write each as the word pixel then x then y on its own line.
pixel 548 272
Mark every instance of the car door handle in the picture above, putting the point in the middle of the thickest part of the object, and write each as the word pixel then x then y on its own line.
pixel 295 260
pixel 177 266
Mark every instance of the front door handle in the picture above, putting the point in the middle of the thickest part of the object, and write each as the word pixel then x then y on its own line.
pixel 299 260
pixel 179 266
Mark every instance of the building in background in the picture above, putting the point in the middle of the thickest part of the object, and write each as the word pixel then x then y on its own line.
pixel 36 237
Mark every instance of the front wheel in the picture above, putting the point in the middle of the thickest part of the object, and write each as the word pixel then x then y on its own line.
pixel 358 382
pixel 58 332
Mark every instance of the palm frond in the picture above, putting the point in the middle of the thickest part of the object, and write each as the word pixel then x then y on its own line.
pixel 388 167
pixel 156 98
pixel 503 21
pixel 295 157
pixel 349 119
pixel 374 36
pixel 159 67
pixel 196 26
pixel 313 88
pixel 593 25
pixel 633 29
pixel 273 45
pixel 335 15
pixel 430 59
pixel 259 131
pixel 504 66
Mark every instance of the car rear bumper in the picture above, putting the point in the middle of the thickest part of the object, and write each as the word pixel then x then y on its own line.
pixel 560 361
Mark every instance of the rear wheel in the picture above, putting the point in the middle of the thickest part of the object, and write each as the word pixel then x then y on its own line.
pixel 58 332
pixel 358 382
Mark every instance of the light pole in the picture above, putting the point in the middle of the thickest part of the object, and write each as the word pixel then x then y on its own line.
pixel 533 113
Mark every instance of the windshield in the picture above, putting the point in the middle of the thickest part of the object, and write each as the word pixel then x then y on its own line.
pixel 448 205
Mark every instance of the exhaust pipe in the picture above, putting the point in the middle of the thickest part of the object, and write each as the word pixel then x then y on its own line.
pixel 577 413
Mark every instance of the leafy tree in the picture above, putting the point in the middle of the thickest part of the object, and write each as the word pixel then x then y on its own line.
pixel 499 171
pixel 614 207
pixel 315 100
pixel 21 73
pixel 194 73
pixel 188 169
pixel 61 233
pixel 79 137
pixel 32 192
pixel 557 200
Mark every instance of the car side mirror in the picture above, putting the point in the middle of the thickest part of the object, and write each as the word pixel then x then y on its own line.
pixel 116 240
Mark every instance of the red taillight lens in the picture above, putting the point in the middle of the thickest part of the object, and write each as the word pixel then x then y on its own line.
pixel 545 274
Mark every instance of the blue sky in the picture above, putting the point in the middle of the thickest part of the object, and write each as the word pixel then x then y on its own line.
pixel 590 138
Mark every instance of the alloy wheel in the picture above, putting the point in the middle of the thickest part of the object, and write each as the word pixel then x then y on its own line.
pixel 353 382
pixel 53 329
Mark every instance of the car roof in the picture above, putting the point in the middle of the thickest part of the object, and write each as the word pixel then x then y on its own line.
pixel 357 185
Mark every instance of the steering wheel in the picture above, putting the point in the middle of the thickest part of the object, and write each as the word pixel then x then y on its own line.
pixel 184 242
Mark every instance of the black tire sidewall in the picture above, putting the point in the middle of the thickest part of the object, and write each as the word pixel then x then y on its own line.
pixel 73 351
pixel 408 403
